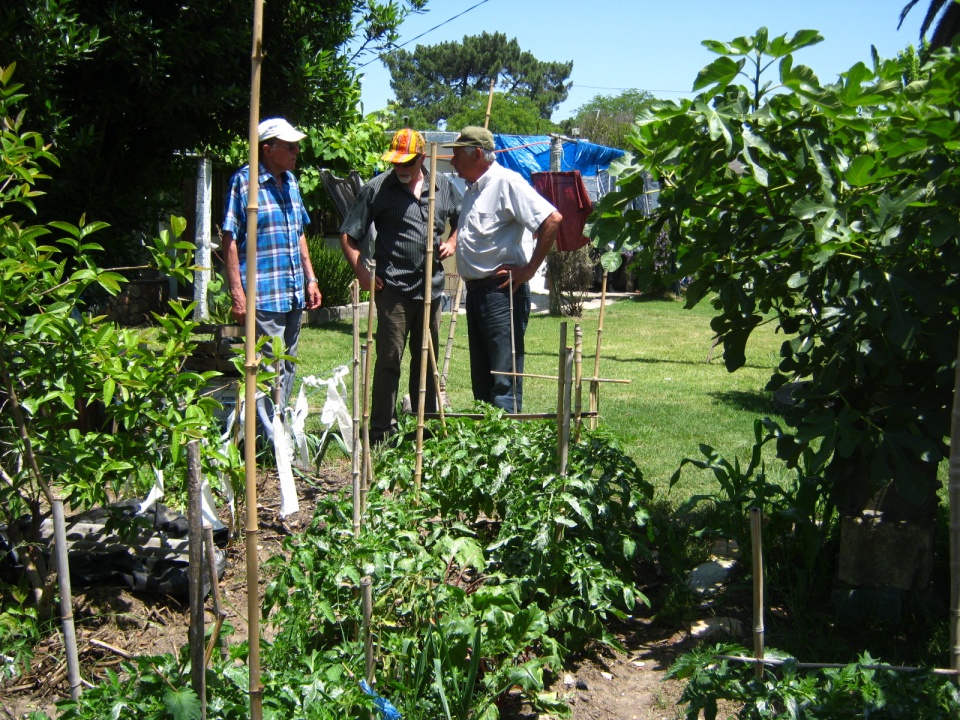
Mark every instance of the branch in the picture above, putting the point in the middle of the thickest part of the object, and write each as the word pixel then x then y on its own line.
pixel 22 427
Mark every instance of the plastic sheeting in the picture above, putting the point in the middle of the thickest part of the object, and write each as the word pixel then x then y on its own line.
pixel 528 154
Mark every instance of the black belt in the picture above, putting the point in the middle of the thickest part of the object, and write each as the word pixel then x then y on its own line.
pixel 485 282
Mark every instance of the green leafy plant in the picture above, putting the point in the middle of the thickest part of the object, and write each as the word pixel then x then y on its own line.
pixel 828 209
pixel 787 691
pixel 87 405
pixel 332 270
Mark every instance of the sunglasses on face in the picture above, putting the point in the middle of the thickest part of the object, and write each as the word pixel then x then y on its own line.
pixel 288 146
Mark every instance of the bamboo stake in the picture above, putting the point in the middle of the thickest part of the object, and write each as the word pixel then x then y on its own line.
pixel 513 345
pixel 366 475
pixel 218 612
pixel 823 666
pixel 578 377
pixel 366 603
pixel 594 388
pixel 756 537
pixel 486 119
pixel 565 426
pixel 250 375
pixel 425 339
pixel 195 576
pixel 66 599
pixel 455 311
pixel 953 485
pixel 508 416
pixel 356 454
pixel 554 377
pixel 436 385
pixel 561 374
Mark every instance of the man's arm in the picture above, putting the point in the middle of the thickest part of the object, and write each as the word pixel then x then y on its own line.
pixel 351 251
pixel 231 261
pixel 546 237
pixel 313 289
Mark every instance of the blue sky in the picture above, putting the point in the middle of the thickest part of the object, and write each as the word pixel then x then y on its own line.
pixel 620 44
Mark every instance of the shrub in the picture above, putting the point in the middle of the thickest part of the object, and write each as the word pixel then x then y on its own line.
pixel 332 270
pixel 571 273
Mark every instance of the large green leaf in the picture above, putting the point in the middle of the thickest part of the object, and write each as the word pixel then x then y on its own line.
pixel 721 71
pixel 182 703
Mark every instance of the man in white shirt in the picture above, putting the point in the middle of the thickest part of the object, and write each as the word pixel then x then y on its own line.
pixel 499 208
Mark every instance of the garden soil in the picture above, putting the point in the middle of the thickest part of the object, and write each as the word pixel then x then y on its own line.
pixel 112 622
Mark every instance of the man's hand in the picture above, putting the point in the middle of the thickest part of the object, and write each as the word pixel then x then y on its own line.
pixel 363 276
pixel 447 249
pixel 313 296
pixel 239 307
pixel 519 274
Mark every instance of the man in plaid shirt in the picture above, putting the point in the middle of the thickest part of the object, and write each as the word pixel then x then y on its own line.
pixel 286 284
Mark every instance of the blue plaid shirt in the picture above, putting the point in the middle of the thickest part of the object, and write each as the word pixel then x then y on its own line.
pixel 281 218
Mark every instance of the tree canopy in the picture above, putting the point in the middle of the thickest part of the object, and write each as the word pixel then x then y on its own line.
pixel 509 114
pixel 437 80
pixel 608 119
pixel 126 89
pixel 829 209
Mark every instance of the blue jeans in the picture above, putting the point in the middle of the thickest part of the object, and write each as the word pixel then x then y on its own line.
pixel 286 326
pixel 488 331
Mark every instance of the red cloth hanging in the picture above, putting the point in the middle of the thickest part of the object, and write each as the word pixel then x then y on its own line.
pixel 567 193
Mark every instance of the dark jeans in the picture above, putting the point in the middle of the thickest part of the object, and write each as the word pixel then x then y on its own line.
pixel 488 329
pixel 399 318
pixel 286 326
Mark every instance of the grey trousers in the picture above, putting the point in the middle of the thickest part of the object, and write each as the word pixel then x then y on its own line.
pixel 399 318
pixel 285 326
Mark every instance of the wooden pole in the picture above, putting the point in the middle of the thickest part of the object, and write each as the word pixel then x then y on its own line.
pixel 366 474
pixel 250 376
pixel 756 537
pixel 486 119
pixel 195 575
pixel 953 491
pixel 455 311
pixel 578 378
pixel 513 346
pixel 366 603
pixel 561 375
pixel 66 598
pixel 594 387
pixel 356 455
pixel 565 425
pixel 218 613
pixel 436 384
pixel 425 339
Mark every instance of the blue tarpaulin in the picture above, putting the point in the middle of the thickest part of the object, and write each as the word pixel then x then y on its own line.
pixel 528 154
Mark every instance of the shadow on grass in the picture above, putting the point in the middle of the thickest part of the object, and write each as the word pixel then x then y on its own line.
pixel 344 328
pixel 757 403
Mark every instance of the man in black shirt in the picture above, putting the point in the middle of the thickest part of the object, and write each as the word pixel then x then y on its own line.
pixel 396 203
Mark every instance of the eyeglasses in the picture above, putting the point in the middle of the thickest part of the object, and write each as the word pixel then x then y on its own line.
pixel 289 146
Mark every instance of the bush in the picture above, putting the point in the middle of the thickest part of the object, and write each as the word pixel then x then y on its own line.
pixel 571 273
pixel 332 270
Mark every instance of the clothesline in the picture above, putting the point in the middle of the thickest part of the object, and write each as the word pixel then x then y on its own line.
pixel 503 150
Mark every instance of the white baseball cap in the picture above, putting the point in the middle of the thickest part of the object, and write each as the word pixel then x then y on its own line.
pixel 280 129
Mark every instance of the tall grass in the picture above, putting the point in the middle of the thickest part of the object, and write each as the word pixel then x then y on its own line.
pixel 675 400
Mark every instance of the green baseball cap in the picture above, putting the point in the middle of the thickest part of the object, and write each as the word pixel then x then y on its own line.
pixel 473 136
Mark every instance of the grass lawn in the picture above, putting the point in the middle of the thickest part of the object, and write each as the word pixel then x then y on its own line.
pixel 675 401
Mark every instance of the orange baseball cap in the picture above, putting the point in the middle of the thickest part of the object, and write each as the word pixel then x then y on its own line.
pixel 406 145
